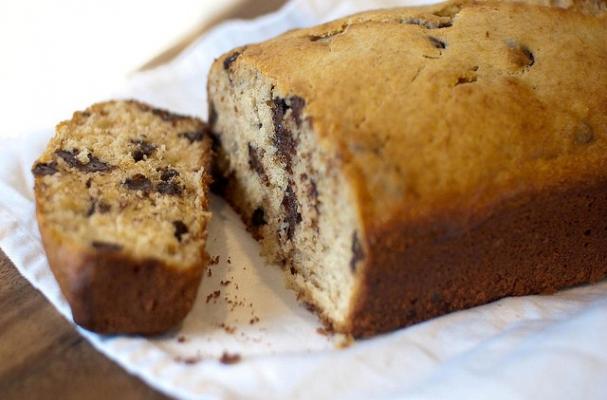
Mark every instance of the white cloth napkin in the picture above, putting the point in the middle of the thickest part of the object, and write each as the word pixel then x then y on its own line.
pixel 529 347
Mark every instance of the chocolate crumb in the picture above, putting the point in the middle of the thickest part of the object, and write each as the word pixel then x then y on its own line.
pixel 88 183
pixel 357 252
pixel 106 246
pixel 41 169
pixel 293 271
pixel 180 229
pixel 227 358
pixel 189 360
pixel 214 260
pixel 229 260
pixel 225 283
pixel 209 272
pixel 253 320
pixel 228 329
pixel 213 295
pixel 181 339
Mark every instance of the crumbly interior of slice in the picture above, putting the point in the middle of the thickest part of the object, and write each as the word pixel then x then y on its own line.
pixel 286 188
pixel 124 176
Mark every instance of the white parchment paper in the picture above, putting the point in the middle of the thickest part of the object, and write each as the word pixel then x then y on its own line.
pixel 529 347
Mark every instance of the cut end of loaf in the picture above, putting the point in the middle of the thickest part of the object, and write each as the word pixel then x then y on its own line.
pixel 122 187
pixel 286 188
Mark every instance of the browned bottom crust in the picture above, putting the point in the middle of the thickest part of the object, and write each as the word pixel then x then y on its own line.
pixel 111 293
pixel 531 244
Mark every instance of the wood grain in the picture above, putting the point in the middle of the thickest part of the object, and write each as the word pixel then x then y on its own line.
pixel 41 354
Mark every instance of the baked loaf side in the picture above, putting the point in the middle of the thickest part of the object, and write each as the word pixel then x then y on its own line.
pixel 121 202
pixel 405 163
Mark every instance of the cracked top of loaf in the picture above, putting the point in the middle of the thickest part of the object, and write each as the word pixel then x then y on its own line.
pixel 450 107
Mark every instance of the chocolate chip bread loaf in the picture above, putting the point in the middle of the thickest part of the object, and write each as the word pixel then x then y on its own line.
pixel 405 163
pixel 121 202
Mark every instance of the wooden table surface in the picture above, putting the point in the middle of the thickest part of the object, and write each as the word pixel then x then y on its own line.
pixel 41 354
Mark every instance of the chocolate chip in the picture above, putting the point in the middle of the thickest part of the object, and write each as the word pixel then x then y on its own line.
pixel 94 164
pixel 259 217
pixel 465 79
pixel 138 182
pixel 143 149
pixel 212 115
pixel 41 169
pixel 439 44
pixel 283 138
pixel 230 60
pixel 529 55
pixel 106 246
pixel 519 54
pixel 166 173
pixel 88 183
pixel 100 206
pixel 216 141
pixel 297 106
pixel 170 188
pixel 103 207
pixel 256 165
pixel 292 216
pixel 193 136
pixel 357 252
pixel 91 209
pixel 180 229
pixel 69 157
pixel 313 194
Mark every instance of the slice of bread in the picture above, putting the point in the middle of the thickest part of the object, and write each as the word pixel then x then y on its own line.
pixel 121 203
